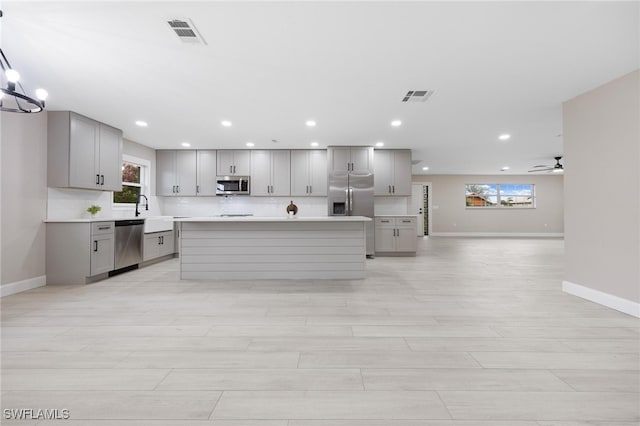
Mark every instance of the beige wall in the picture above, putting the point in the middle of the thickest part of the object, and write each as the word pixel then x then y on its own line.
pixel 450 215
pixel 602 209
pixel 24 196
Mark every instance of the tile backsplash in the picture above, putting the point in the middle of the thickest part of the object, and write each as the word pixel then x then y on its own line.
pixel 64 203
pixel 68 203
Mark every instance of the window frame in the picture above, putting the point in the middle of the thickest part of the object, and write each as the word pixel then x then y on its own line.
pixel 498 195
pixel 145 172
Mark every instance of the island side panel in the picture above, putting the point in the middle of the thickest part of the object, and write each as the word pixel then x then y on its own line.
pixel 272 250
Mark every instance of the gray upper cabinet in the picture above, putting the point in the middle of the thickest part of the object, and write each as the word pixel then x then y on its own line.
pixel 176 172
pixel 351 159
pixel 270 173
pixel 309 173
pixel 206 170
pixel 392 172
pixel 233 162
pixel 83 153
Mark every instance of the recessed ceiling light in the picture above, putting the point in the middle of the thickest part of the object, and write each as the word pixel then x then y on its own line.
pixel 396 123
pixel 250 144
pixel 141 123
pixel 314 144
pixel 504 137
pixel 505 168
pixel 185 144
pixel 380 144
pixel 425 168
pixel 226 123
pixel 310 123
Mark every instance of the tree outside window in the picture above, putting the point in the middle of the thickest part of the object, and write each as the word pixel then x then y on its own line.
pixel 131 184
pixel 502 195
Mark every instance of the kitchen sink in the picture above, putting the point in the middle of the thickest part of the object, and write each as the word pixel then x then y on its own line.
pixel 158 223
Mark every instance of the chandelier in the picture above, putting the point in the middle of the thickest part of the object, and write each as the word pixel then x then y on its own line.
pixel 13 97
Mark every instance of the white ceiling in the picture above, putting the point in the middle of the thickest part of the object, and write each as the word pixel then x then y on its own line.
pixel 497 67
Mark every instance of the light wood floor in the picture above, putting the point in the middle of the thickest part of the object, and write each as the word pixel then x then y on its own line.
pixel 472 332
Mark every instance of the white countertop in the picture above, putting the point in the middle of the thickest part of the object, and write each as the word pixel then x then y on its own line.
pixel 275 219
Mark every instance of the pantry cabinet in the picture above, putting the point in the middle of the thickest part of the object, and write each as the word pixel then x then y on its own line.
pixel 271 173
pixel 83 153
pixel 232 162
pixel 392 169
pixel 309 173
pixel 176 172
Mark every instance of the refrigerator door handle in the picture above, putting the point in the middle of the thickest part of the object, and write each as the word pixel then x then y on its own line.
pixel 346 202
pixel 350 201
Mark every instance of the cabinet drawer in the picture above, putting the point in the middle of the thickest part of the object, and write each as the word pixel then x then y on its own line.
pixel 101 228
pixel 406 221
pixel 381 222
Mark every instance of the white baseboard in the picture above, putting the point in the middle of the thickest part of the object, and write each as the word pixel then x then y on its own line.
pixel 500 234
pixel 609 300
pixel 24 285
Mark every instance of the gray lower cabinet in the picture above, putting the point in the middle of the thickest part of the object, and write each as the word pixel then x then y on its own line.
pixel 75 252
pixel 102 248
pixel 395 235
pixel 158 244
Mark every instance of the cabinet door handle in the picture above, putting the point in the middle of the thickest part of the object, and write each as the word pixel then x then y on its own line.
pixel 197 189
pixel 101 179
pixel 95 245
pixel 384 221
pixel 389 189
pixel 394 188
pixel 177 188
pixel 310 189
pixel 97 179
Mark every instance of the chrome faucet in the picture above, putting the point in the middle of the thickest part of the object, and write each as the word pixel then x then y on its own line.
pixel 146 204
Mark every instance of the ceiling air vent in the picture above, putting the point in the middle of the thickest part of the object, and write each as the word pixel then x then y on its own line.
pixel 186 31
pixel 418 95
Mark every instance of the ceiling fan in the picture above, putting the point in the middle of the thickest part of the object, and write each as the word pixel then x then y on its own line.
pixel 556 168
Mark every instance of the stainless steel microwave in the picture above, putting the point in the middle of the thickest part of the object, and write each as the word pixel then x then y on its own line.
pixel 232 185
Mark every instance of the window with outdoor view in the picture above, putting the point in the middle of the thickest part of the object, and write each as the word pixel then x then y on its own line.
pixel 500 195
pixel 132 184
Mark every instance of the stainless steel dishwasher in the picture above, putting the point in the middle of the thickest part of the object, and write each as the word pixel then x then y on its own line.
pixel 128 242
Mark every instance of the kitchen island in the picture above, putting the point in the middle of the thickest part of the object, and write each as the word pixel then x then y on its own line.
pixel 253 248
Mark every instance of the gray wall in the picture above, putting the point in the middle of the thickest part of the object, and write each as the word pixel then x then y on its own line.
pixel 24 196
pixel 602 210
pixel 450 215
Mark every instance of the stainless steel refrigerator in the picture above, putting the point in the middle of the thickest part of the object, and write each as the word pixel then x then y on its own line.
pixel 350 186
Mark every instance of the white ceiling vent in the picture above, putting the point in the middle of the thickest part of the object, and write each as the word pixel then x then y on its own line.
pixel 418 95
pixel 186 31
